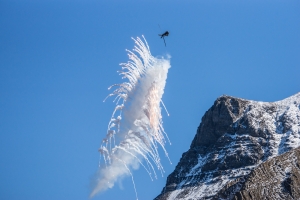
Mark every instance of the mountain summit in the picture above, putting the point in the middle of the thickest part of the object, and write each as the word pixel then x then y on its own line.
pixel 243 149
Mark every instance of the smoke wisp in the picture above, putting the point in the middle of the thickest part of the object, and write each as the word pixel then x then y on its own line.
pixel 135 130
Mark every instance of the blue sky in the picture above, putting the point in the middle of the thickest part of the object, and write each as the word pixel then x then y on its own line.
pixel 57 59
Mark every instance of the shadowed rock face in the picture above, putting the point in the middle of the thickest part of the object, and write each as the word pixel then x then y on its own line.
pixel 277 178
pixel 236 137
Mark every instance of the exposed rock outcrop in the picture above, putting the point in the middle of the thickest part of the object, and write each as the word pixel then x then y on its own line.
pixel 277 178
pixel 236 138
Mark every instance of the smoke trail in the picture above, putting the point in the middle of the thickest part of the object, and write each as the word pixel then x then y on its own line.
pixel 133 140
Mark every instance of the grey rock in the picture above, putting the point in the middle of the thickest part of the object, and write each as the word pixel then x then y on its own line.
pixel 277 178
pixel 236 137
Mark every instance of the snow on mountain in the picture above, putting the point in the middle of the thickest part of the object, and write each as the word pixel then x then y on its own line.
pixel 277 178
pixel 234 138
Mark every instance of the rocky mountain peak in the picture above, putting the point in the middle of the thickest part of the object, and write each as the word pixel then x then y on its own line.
pixel 218 119
pixel 234 137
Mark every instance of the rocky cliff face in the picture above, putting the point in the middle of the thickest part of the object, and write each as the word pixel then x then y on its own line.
pixel 277 178
pixel 237 149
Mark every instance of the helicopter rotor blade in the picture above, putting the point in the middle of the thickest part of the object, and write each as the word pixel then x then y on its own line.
pixel 159 27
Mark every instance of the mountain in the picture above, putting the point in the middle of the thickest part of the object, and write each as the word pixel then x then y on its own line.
pixel 243 149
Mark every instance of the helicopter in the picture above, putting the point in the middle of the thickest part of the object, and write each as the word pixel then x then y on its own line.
pixel 165 34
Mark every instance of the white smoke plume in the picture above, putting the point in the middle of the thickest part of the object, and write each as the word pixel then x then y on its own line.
pixel 135 130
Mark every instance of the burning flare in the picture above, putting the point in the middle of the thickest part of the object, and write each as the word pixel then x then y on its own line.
pixel 133 140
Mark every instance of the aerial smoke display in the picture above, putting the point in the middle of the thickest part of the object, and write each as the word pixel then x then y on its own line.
pixel 135 130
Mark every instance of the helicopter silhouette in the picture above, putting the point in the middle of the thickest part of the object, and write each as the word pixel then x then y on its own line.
pixel 165 34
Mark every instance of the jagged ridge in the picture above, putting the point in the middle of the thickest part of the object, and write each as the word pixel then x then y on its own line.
pixel 233 139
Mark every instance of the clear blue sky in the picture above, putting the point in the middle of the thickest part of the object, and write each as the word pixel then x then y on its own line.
pixel 57 58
